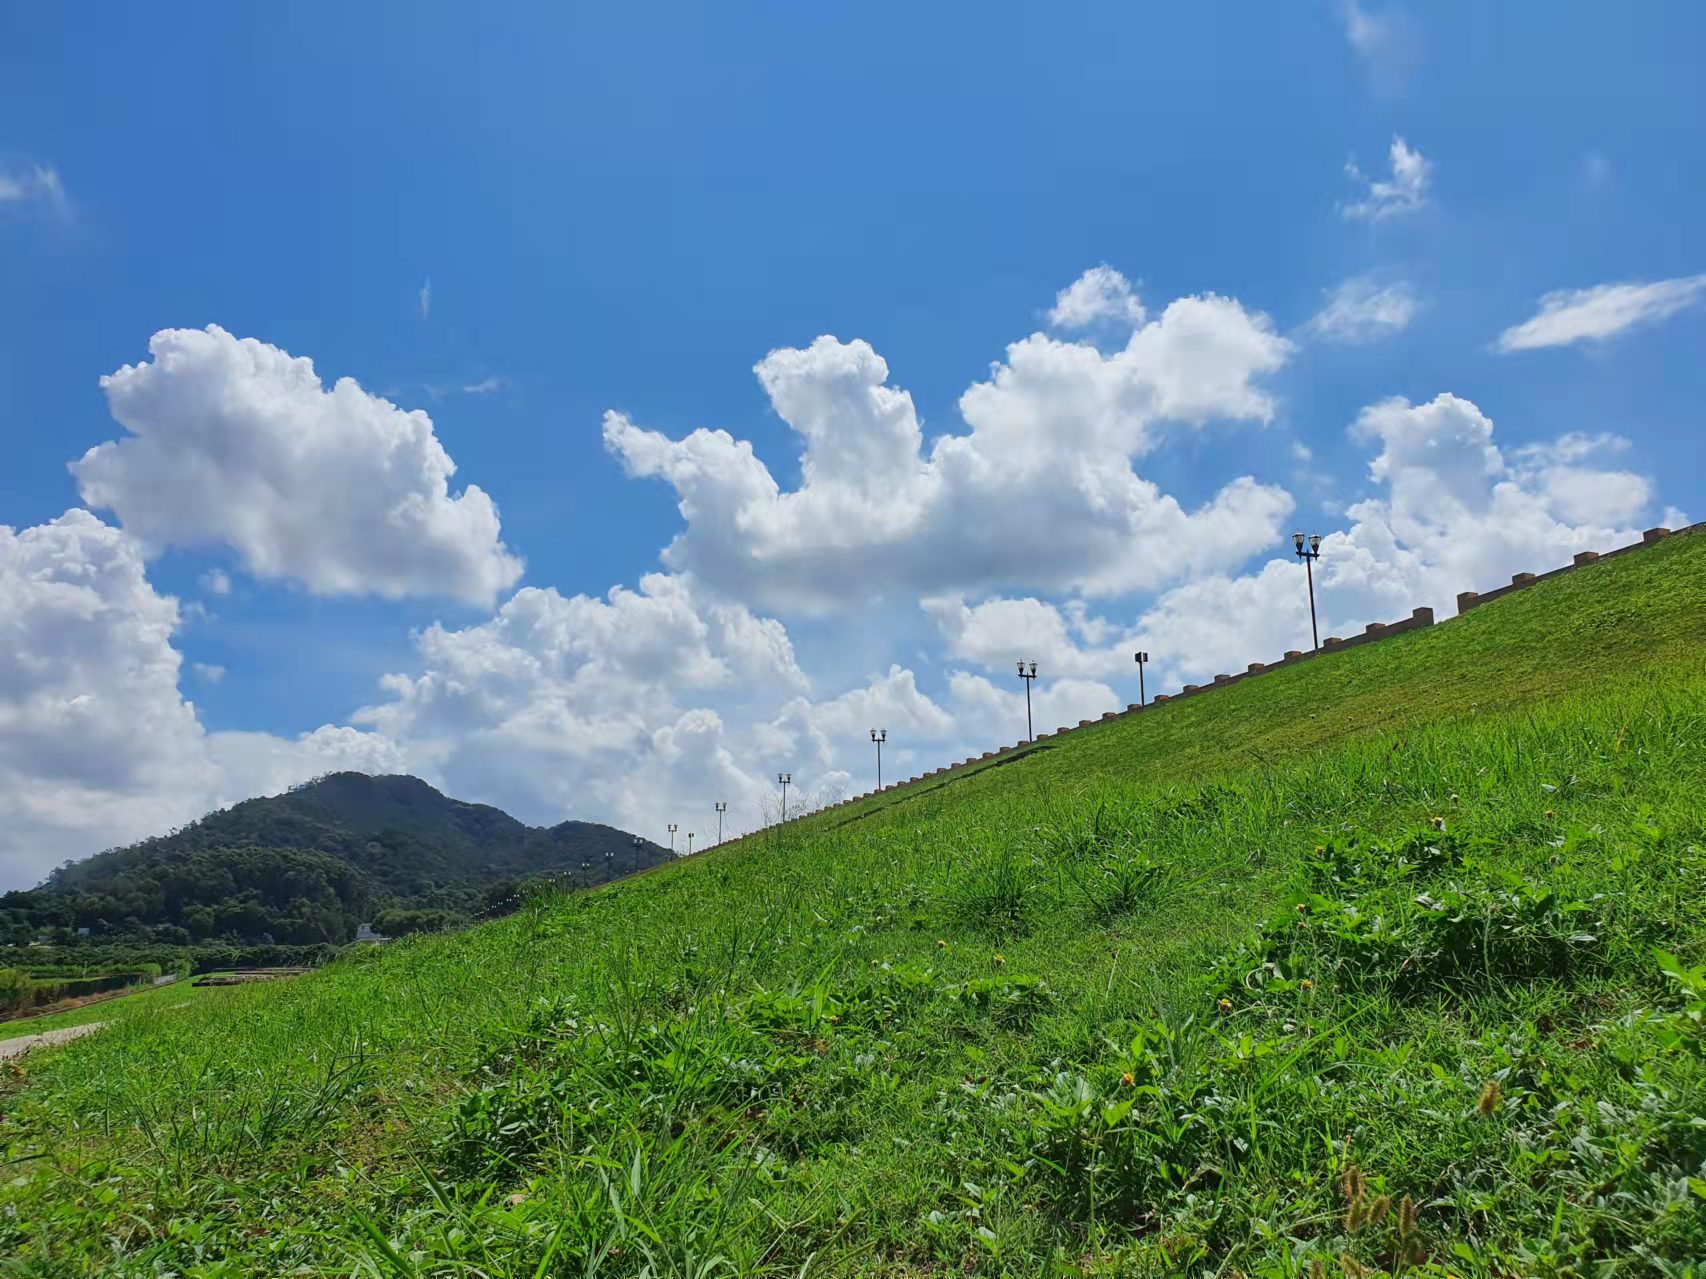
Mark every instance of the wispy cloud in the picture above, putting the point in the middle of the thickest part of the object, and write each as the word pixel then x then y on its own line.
pixel 1602 312
pixel 1404 192
pixel 1363 309
pixel 485 386
pixel 425 296
pixel 208 672
pixel 1386 42
pixel 36 184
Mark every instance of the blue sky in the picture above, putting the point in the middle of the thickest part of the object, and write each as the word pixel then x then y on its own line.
pixel 519 221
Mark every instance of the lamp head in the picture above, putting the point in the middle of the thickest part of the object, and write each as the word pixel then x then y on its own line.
pixel 1297 540
pixel 1141 657
pixel 1033 668
pixel 1315 542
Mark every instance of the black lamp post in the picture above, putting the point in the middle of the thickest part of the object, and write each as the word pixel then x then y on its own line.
pixel 690 843
pixel 1142 660
pixel 586 879
pixel 1309 557
pixel 879 736
pixel 672 829
pixel 637 842
pixel 783 779
pixel 721 809
pixel 1028 676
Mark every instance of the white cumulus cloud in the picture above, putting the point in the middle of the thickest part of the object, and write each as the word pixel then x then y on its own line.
pixel 1101 293
pixel 1451 511
pixel 98 746
pixel 238 442
pixel 1602 312
pixel 1053 433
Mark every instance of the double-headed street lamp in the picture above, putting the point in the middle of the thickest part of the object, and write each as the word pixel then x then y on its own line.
pixel 721 809
pixel 672 829
pixel 1309 557
pixel 1142 661
pixel 782 780
pixel 690 843
pixel 879 736
pixel 1028 677
pixel 637 842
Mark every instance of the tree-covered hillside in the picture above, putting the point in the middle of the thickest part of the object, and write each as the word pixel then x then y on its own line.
pixel 312 864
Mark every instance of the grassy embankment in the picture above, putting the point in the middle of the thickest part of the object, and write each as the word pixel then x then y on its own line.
pixel 147 999
pixel 1204 990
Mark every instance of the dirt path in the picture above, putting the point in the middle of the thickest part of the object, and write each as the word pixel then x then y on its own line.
pixel 47 1039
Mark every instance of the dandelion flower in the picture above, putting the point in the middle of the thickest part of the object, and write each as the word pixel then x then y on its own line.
pixel 1000 960
pixel 1306 984
pixel 1439 823
pixel 1225 1005
pixel 1128 1079
pixel 940 944
pixel 1551 814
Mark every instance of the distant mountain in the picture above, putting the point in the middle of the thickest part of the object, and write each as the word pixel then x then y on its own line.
pixel 312 864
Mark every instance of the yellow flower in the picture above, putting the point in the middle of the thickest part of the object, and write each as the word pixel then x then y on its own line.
pixel 1550 814
pixel 1439 823
pixel 940 944
pixel 999 961
pixel 1306 984
pixel 1225 1005
pixel 1127 1079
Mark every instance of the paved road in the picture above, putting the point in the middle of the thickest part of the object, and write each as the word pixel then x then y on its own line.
pixel 47 1039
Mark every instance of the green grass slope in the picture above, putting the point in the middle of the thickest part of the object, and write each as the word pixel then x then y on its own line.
pixel 1387 963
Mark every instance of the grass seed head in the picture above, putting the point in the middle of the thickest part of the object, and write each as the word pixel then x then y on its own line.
pixel 1351 1184
pixel 1408 1224
pixel 1490 1096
